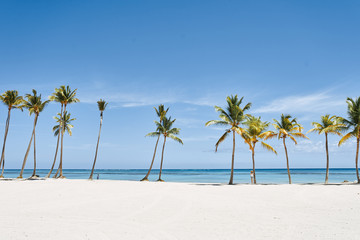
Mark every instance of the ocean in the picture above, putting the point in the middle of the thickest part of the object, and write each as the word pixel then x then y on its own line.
pixel 265 176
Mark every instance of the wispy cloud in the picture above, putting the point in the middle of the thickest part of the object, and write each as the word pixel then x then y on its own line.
pixel 129 100
pixel 317 102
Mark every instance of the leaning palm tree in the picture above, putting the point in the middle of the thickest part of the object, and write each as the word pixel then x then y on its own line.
pixel 353 123
pixel 35 105
pixel 287 127
pixel 101 105
pixel 232 117
pixel 64 120
pixel 256 131
pixel 328 125
pixel 165 128
pixel 161 113
pixel 65 96
pixel 12 100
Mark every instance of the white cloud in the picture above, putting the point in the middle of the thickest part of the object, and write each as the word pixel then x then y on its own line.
pixel 318 102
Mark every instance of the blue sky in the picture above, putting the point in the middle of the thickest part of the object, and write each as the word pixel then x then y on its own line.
pixel 297 57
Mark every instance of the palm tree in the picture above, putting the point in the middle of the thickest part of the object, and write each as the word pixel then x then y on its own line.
pixel 353 123
pixel 161 113
pixel 255 132
pixel 35 105
pixel 287 127
pixel 12 100
pixel 64 120
pixel 63 95
pixel 165 128
pixel 101 105
pixel 233 117
pixel 328 125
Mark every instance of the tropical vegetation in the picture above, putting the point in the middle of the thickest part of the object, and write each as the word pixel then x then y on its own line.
pixel 287 127
pixel 161 113
pixel 328 125
pixel 233 117
pixel 34 105
pixel 64 125
pixel 353 125
pixel 256 131
pixel 12 100
pixel 101 105
pixel 64 96
pixel 165 128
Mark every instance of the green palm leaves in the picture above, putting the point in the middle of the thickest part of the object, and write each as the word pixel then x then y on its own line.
pixel 34 104
pixel 328 125
pixel 64 95
pixel 352 123
pixel 102 105
pixel 12 99
pixel 63 121
pixel 232 117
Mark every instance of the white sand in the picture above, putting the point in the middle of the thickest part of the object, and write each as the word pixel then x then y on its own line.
pixel 81 209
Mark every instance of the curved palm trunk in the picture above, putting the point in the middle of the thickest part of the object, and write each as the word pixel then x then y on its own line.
pixel 57 172
pixel 56 151
pixel 28 149
pixel 162 158
pixel 327 159
pixel 61 148
pixel 232 161
pixel 2 161
pixel 57 147
pixel 97 146
pixel 152 161
pixel 357 159
pixel 253 161
pixel 61 154
pixel 287 161
pixel 34 172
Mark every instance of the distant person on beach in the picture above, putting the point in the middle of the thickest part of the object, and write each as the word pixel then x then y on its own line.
pixel 98 176
pixel 252 176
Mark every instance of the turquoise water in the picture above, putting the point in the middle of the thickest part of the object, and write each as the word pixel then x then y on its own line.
pixel 205 175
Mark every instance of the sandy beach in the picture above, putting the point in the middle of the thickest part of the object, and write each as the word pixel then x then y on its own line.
pixel 81 209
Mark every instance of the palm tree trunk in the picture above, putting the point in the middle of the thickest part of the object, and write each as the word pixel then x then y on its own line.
pixel 57 171
pixel 287 161
pixel 61 154
pixel 253 160
pixel 34 172
pixel 56 151
pixel 2 161
pixel 357 159
pixel 162 158
pixel 61 148
pixel 327 159
pixel 232 161
pixel 57 147
pixel 28 149
pixel 152 161
pixel 97 146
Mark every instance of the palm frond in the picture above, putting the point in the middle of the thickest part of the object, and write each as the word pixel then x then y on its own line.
pixel 221 139
pixel 268 147
pixel 177 139
pixel 345 138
